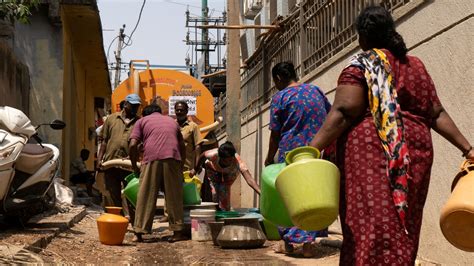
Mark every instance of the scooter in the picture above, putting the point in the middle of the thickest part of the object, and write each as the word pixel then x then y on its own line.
pixel 27 169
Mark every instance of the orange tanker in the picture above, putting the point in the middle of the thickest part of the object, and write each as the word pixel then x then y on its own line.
pixel 165 87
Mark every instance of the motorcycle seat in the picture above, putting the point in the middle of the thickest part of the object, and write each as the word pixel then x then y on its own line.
pixel 32 157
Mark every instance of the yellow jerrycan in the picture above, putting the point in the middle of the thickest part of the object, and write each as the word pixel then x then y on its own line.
pixel 457 215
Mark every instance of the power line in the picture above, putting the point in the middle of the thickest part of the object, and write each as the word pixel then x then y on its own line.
pixel 129 42
pixel 184 4
pixel 136 25
pixel 110 45
pixel 181 4
pixel 210 33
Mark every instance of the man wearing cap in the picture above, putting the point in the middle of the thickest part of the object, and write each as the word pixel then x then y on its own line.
pixel 115 134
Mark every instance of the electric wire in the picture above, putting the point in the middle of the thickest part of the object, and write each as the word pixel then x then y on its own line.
pixel 110 45
pixel 188 5
pixel 129 42
pixel 136 26
pixel 210 33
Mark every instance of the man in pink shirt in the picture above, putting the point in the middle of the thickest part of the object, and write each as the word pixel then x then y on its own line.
pixel 163 157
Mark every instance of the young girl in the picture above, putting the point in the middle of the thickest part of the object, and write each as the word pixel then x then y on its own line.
pixel 223 165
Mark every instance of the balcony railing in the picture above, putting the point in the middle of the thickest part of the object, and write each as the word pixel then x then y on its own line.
pixel 312 34
pixel 316 31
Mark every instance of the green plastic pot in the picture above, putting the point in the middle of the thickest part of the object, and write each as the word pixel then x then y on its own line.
pixel 309 188
pixel 271 230
pixel 191 194
pixel 271 204
pixel 131 190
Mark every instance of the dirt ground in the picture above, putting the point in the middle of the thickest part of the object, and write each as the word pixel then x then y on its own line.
pixel 80 245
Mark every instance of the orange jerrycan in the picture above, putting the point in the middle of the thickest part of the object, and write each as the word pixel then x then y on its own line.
pixel 457 215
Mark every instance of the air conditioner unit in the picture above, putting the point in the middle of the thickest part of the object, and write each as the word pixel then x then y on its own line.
pixel 252 8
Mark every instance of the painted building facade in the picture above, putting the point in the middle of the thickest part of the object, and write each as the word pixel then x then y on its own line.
pixel 318 36
pixel 56 68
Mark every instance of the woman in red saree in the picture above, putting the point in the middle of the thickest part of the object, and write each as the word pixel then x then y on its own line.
pixel 384 108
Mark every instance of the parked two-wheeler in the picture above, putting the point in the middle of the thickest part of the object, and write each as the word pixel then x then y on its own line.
pixel 27 169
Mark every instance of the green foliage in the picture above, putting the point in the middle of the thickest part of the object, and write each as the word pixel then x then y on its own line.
pixel 17 10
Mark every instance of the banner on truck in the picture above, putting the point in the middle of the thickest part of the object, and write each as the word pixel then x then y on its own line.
pixel 190 100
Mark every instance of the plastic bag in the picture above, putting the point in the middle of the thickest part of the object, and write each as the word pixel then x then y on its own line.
pixel 64 195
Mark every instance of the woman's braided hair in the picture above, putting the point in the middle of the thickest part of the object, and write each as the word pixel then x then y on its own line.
pixel 376 25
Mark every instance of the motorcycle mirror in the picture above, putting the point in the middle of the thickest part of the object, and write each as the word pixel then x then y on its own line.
pixel 57 124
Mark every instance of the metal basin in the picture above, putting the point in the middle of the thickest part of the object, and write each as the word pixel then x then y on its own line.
pixel 241 233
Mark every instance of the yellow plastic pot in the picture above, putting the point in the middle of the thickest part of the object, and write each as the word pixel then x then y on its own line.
pixel 457 215
pixel 309 187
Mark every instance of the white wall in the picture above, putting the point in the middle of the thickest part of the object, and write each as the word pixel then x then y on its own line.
pixel 441 33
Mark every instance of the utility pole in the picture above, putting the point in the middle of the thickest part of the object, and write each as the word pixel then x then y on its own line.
pixel 207 42
pixel 205 36
pixel 233 89
pixel 118 59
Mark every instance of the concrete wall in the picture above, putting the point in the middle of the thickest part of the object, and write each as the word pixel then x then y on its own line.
pixel 440 33
pixel 14 79
pixel 448 57
pixel 65 59
pixel 39 46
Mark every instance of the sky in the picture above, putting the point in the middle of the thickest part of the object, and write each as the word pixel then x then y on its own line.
pixel 160 34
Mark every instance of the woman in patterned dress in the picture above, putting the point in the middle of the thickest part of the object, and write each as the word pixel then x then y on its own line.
pixel 384 108
pixel 223 165
pixel 297 112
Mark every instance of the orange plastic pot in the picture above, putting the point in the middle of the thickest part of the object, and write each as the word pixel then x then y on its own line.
pixel 112 228
pixel 457 215
pixel 113 210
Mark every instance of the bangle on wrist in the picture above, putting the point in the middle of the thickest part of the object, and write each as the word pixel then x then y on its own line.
pixel 466 152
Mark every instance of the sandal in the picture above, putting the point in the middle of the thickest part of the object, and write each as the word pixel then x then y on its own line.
pixel 138 238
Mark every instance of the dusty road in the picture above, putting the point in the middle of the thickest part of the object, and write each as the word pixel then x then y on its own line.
pixel 80 245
